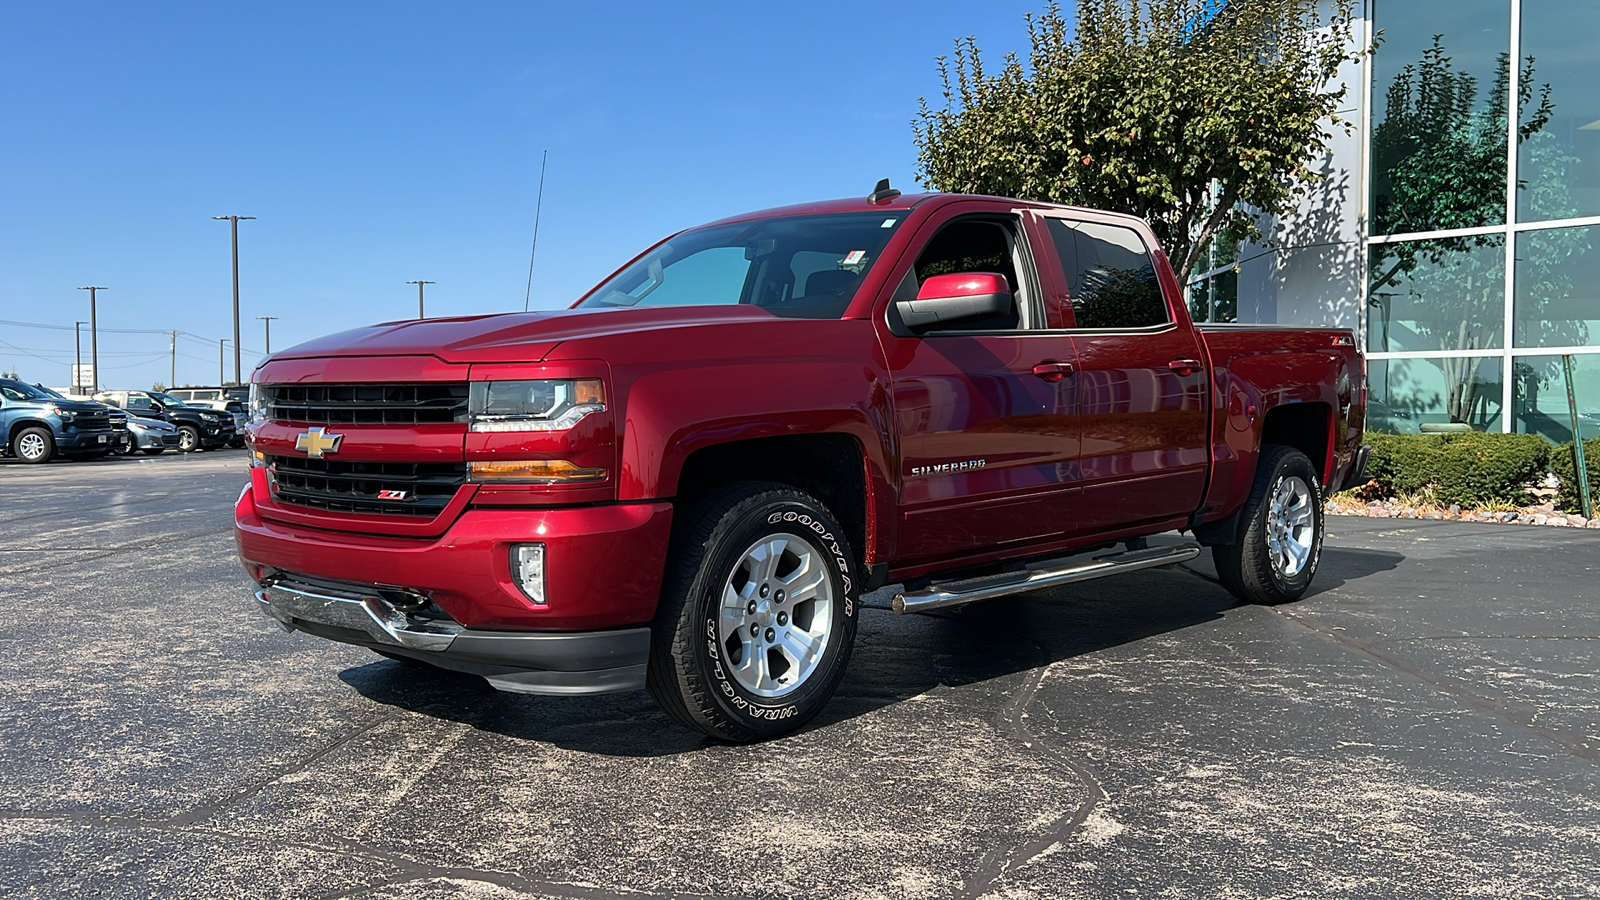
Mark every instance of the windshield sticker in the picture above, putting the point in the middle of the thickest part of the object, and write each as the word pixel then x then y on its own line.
pixel 853 258
pixel 888 223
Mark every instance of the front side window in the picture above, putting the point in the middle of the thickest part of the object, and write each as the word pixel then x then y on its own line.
pixel 973 245
pixel 805 267
pixel 1111 278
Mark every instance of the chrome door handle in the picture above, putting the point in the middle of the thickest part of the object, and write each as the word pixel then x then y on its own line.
pixel 1052 371
pixel 1184 366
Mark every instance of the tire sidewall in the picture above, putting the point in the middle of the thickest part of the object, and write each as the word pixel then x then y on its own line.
pixel 1294 464
pixel 193 434
pixel 49 445
pixel 818 529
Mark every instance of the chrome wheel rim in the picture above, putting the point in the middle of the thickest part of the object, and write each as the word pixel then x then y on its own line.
pixel 30 446
pixel 186 440
pixel 1291 526
pixel 776 615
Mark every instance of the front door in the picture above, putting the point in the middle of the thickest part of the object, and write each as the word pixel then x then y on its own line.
pixel 987 447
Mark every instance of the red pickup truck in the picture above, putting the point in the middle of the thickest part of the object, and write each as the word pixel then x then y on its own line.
pixel 686 481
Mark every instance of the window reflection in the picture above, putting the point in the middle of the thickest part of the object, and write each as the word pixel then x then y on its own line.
pixel 1540 396
pixel 1409 396
pixel 1437 295
pixel 1557 295
pixel 1558 167
pixel 1439 114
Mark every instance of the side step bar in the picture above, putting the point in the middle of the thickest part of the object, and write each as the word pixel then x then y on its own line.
pixel 957 593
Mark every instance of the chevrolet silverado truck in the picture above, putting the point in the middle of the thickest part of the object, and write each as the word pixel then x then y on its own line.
pixel 686 481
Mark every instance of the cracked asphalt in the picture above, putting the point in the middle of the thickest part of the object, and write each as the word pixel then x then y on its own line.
pixel 1425 724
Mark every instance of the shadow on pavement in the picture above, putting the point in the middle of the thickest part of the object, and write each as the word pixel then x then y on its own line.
pixel 895 659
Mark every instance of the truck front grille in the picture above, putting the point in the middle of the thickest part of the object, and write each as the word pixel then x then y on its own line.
pixel 407 489
pixel 91 422
pixel 367 404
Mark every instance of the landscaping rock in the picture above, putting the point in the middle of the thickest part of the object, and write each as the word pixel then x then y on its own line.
pixel 1539 519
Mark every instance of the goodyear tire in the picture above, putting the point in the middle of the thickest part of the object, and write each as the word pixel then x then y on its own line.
pixel 33 445
pixel 757 616
pixel 1277 553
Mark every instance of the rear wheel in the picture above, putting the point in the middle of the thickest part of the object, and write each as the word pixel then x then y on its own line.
pixel 1276 556
pixel 758 614
pixel 33 445
pixel 188 438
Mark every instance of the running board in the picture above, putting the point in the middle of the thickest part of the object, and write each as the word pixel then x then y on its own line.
pixel 957 593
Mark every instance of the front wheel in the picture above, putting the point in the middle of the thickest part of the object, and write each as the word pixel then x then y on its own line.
pixel 1277 553
pixel 33 445
pixel 188 438
pixel 758 614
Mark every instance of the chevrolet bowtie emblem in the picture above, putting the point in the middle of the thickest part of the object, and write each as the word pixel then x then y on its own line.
pixel 315 443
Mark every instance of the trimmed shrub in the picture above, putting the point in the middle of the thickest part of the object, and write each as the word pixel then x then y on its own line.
pixel 1566 468
pixel 1470 468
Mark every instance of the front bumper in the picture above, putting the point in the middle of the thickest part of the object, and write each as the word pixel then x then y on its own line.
pixel 85 440
pixel 150 440
pixel 406 623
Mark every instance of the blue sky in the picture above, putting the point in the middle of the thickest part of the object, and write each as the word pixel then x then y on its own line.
pixel 383 142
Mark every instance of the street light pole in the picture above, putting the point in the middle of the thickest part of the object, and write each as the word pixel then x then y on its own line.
pixel 77 357
pixel 419 284
pixel 94 337
pixel 267 322
pixel 222 355
pixel 172 378
pixel 233 222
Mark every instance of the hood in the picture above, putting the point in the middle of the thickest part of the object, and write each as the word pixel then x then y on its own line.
pixel 138 423
pixel 81 407
pixel 510 337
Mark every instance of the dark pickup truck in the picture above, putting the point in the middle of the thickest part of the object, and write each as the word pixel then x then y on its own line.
pixel 686 481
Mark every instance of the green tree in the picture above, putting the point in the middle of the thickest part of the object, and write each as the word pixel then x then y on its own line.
pixel 1192 114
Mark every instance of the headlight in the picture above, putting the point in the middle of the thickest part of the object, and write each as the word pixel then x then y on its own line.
pixel 53 409
pixel 258 403
pixel 548 405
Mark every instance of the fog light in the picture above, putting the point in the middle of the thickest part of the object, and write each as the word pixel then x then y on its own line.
pixel 527 570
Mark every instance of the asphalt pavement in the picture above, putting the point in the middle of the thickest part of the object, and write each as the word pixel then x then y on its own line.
pixel 1426 723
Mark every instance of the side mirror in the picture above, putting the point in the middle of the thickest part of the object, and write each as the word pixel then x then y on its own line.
pixel 960 295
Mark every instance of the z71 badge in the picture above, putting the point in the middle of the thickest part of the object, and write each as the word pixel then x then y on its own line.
pixel 944 468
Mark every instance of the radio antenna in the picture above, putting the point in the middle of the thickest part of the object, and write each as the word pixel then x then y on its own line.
pixel 537 206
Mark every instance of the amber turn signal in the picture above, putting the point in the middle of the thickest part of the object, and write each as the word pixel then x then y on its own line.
pixel 541 471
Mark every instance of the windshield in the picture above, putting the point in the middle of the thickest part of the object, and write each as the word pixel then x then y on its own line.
pixel 803 267
pixel 51 391
pixel 167 399
pixel 17 390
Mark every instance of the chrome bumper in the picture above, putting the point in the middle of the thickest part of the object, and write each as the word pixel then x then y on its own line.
pixel 552 662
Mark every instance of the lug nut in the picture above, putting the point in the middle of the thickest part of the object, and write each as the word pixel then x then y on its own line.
pixel 780 596
pixel 771 635
pixel 751 608
pixel 755 630
pixel 783 618
pixel 765 589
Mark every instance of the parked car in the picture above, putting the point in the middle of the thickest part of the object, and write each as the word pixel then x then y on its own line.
pixel 38 425
pixel 231 399
pixel 119 418
pixel 150 437
pixel 685 482
pixel 198 428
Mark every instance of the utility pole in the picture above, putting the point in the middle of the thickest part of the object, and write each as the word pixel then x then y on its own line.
pixel 267 322
pixel 94 337
pixel 419 284
pixel 172 379
pixel 222 355
pixel 77 354
pixel 233 221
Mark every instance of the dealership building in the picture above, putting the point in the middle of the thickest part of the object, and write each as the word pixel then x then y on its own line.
pixel 1458 230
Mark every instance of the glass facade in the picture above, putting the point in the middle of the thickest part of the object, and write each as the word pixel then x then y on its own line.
pixel 1444 324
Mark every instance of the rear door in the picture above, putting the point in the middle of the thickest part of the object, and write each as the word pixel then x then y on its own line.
pixel 1141 375
pixel 987 446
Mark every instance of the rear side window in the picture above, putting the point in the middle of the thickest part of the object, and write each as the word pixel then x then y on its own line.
pixel 1110 276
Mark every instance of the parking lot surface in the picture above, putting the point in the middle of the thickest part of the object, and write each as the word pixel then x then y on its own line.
pixel 1425 724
